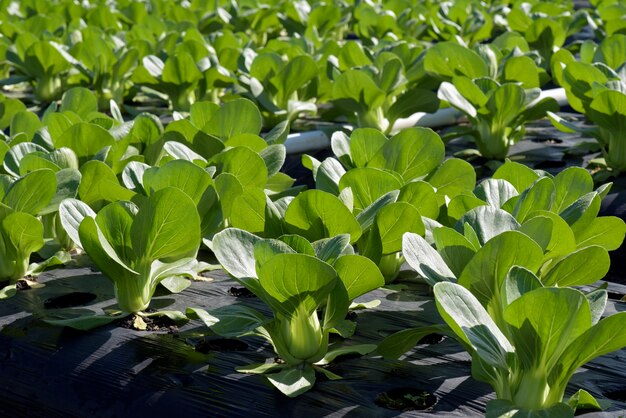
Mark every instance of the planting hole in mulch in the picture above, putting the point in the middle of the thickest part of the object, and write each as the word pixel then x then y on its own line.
pixel 70 300
pixel 352 316
pixel 156 323
pixel 433 338
pixel 22 285
pixel 220 344
pixel 547 140
pixel 406 399
pixel 240 292
pixel 617 395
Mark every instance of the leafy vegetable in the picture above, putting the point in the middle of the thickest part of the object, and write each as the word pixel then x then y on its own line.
pixel 530 355
pixel 136 248
pixel 295 278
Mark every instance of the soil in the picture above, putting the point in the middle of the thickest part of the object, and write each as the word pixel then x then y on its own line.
pixel 156 323
pixel 406 399
pixel 22 285
pixel 241 292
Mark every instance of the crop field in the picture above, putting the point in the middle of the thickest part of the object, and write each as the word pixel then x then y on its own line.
pixel 368 208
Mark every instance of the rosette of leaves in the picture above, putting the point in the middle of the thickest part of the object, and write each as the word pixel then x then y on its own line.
pixel 138 247
pixel 231 173
pixel 176 79
pixel 597 90
pixel 547 26
pixel 24 201
pixel 553 234
pixel 307 286
pixel 40 62
pixel 497 112
pixel 283 89
pixel 375 90
pixel 531 351
pixel 553 223
pixel 381 180
pixel 105 65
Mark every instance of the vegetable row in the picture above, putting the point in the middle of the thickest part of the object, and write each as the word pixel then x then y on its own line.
pixel 503 255
pixel 487 60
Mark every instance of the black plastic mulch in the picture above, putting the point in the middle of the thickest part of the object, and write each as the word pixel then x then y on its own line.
pixel 48 371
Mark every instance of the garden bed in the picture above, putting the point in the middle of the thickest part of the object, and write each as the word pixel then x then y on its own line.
pixel 117 372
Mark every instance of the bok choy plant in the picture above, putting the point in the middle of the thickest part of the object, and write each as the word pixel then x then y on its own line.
pixel 381 179
pixel 138 247
pixel 497 112
pixel 21 231
pixel 307 286
pixel 542 336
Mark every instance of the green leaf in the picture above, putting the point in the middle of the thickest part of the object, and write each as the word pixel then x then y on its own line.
pixel 425 260
pixel 85 139
pixel 368 216
pixel 395 345
pixel 585 401
pixel 518 282
pixel 32 193
pixel 412 153
pixel 246 165
pixel 233 118
pixel 293 381
pixel 368 184
pixel 540 196
pixel 571 184
pixel 299 71
pixel 364 144
pixel 585 266
pixel 299 244
pixel 580 214
pixel 519 175
pixel 80 101
pixel 358 274
pixel 605 231
pixel 422 196
pixel 315 215
pixel 114 221
pixel 99 184
pixel 361 349
pixel 329 249
pixel 472 324
pixel 488 222
pixel 496 192
pixel 453 177
pixel 180 174
pixel 544 322
pixel 102 253
pixel 296 281
pixel 175 284
pixel 609 331
pixel 71 214
pixel 248 211
pixel 393 221
pixel 449 93
pixel 359 88
pixel 232 320
pixel 455 250
pixel 498 408
pixel 166 226
pixel 274 157
pixel 487 270
pixel 449 59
